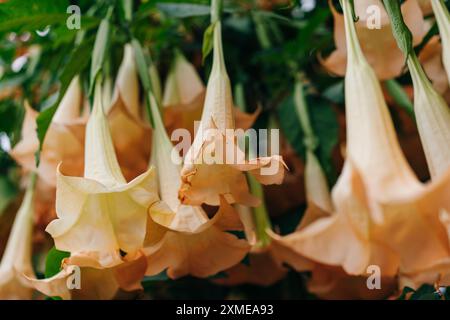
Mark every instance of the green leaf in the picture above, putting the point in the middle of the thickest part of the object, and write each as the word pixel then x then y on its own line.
pixel 399 95
pixel 53 261
pixel 208 41
pixel 8 192
pixel 29 15
pixel 325 126
pixel 183 10
pixel 78 60
pixel 142 65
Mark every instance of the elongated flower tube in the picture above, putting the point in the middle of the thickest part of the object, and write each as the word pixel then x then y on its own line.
pixel 377 41
pixel 127 83
pixel 16 260
pixel 184 96
pixel 377 193
pixel 130 134
pixel 433 120
pixel 206 181
pixel 100 215
pixel 443 20
pixel 191 243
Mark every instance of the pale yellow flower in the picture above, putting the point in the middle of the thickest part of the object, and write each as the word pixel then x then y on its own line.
pixel 100 214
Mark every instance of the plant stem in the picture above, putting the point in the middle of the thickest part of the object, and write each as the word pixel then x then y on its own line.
pixel 309 140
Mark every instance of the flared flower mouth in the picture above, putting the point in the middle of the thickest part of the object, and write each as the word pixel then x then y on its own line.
pixel 100 215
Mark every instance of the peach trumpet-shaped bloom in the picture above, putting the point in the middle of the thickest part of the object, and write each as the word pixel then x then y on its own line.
pixel 187 242
pixel 378 44
pixel 184 96
pixel 64 140
pixel 382 214
pixel 16 260
pixel 442 16
pixel 100 215
pixel 204 182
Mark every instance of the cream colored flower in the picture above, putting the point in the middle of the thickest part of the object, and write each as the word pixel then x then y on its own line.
pixel 16 260
pixel 188 241
pixel 443 20
pixel 100 215
pixel 377 44
pixel 206 183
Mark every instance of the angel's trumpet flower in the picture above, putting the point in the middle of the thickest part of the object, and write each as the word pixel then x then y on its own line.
pixel 206 183
pixel 16 260
pixel 100 215
pixel 364 230
pixel 184 96
pixel 191 243
pixel 63 142
pixel 443 20
pixel 127 82
pixel 130 133
pixel 377 41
